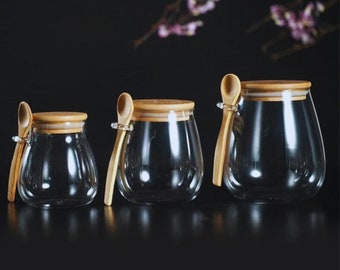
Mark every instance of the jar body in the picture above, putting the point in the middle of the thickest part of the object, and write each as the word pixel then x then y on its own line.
pixel 276 151
pixel 58 170
pixel 161 161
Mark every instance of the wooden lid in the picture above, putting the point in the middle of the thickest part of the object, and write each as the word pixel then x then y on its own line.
pixel 58 122
pixel 159 110
pixel 275 90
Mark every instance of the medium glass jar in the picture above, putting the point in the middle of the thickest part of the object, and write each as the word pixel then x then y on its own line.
pixel 58 168
pixel 276 150
pixel 161 159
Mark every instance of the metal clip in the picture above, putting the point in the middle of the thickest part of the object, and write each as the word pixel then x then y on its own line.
pixel 228 107
pixel 121 126
pixel 18 139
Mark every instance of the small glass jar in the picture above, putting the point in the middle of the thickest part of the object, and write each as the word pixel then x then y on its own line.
pixel 276 150
pixel 161 159
pixel 58 169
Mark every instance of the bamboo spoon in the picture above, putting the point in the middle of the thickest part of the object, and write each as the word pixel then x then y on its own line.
pixel 124 111
pixel 24 125
pixel 230 90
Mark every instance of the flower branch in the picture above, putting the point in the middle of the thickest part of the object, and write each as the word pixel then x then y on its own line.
pixel 300 26
pixel 179 18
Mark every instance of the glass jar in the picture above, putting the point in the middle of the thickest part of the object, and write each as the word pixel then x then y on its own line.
pixel 161 159
pixel 58 168
pixel 276 150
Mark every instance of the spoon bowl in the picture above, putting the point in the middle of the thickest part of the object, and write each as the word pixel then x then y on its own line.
pixel 24 116
pixel 124 108
pixel 230 89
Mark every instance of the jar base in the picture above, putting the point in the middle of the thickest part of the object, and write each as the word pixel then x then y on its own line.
pixel 58 204
pixel 273 198
pixel 159 199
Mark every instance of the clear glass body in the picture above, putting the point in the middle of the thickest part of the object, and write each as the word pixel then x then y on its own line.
pixel 161 159
pixel 276 150
pixel 58 170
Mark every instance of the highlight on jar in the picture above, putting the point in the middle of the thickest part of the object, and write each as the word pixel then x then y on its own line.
pixel 157 156
pixel 270 146
pixel 53 164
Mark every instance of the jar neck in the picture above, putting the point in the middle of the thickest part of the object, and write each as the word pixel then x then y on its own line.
pixel 275 90
pixel 58 122
pixel 168 116
pixel 162 110
pixel 283 95
pixel 58 128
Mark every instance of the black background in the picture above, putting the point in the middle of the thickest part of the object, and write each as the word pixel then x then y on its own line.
pixel 79 56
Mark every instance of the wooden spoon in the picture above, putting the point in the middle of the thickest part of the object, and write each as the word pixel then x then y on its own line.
pixel 24 125
pixel 124 111
pixel 230 90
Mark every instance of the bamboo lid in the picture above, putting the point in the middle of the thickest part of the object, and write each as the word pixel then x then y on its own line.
pixel 275 90
pixel 58 122
pixel 162 110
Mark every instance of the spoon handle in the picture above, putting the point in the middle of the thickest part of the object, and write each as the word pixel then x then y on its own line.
pixel 113 165
pixel 220 157
pixel 14 171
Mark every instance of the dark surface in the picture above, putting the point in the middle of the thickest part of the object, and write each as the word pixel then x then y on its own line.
pixel 214 230
pixel 202 234
pixel 78 55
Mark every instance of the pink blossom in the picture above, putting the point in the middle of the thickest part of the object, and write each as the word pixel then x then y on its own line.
pixel 302 25
pixel 277 14
pixel 181 18
pixel 198 7
pixel 188 29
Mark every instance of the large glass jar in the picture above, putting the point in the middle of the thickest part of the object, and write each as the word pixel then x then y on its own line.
pixel 58 168
pixel 276 150
pixel 161 159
